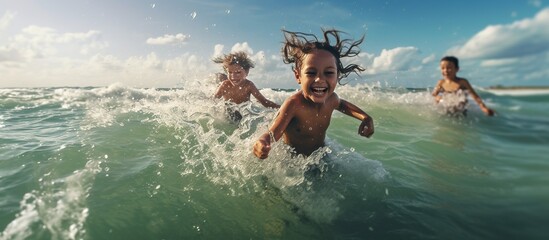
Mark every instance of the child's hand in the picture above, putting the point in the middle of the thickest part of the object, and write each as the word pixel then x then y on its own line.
pixel 366 128
pixel 488 111
pixel 438 98
pixel 262 146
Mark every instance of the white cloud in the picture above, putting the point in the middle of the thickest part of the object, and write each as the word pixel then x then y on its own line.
pixel 102 70
pixel 516 53
pixel 93 46
pixel 5 20
pixel 242 47
pixel 521 38
pixel 44 32
pixel 150 61
pixel 527 70
pixel 237 47
pixel 396 59
pixel 500 62
pixel 35 42
pixel 75 37
pixel 428 59
pixel 218 50
pixel 9 54
pixel 107 62
pixel 168 39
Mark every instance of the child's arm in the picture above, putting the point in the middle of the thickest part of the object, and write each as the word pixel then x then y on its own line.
pixel 437 91
pixel 477 98
pixel 264 101
pixel 220 90
pixel 366 128
pixel 285 114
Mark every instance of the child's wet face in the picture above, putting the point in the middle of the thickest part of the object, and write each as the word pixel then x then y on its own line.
pixel 448 69
pixel 318 75
pixel 236 74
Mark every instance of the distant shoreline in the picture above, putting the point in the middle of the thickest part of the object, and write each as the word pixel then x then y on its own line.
pixel 518 90
pixel 499 87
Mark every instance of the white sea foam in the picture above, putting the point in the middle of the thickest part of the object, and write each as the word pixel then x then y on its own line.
pixel 58 207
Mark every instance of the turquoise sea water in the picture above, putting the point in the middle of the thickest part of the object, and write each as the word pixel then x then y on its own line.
pixel 124 163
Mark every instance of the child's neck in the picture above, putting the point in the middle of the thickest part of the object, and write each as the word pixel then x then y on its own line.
pixel 452 79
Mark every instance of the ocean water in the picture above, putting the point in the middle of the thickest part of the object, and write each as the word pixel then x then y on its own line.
pixel 124 163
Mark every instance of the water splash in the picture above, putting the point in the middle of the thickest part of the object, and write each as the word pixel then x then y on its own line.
pixel 57 209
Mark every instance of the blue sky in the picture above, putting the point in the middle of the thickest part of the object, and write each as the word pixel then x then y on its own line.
pixel 167 43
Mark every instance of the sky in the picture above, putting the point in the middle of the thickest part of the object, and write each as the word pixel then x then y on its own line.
pixel 136 43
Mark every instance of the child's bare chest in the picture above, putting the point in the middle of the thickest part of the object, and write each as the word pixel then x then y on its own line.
pixel 451 86
pixel 312 122
pixel 237 94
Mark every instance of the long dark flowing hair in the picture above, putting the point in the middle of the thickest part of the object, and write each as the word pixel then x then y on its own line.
pixel 298 44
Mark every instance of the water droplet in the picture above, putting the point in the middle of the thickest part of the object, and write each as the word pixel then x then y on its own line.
pixel 228 11
pixel 106 156
pixel 153 5
pixel 310 129
pixel 193 15
pixel 352 149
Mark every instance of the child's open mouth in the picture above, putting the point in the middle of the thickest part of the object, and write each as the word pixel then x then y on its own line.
pixel 319 90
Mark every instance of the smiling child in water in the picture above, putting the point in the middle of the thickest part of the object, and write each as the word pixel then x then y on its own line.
pixel 305 116
pixel 236 88
pixel 455 89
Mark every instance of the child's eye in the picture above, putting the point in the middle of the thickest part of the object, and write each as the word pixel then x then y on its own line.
pixel 329 73
pixel 310 73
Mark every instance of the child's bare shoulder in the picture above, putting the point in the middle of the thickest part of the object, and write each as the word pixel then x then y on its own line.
pixel 248 84
pixel 463 80
pixel 225 83
pixel 294 100
pixel 297 97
